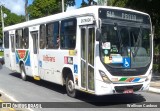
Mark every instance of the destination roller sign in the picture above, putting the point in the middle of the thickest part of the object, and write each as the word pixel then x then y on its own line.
pixel 123 15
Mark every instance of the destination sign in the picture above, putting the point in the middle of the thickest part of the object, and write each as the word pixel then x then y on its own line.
pixel 123 15
pixel 85 20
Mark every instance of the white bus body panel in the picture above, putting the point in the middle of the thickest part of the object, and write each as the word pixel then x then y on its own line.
pixel 51 65
pixel 102 88
pixel 7 58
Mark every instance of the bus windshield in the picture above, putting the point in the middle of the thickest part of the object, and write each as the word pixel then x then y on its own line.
pixel 125 46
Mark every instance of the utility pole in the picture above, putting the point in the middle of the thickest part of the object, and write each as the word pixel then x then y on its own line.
pixel 2 17
pixel 26 12
pixel 102 2
pixel 62 5
pixel 2 21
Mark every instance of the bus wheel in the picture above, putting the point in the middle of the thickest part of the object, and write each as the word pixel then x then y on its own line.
pixel 23 73
pixel 70 88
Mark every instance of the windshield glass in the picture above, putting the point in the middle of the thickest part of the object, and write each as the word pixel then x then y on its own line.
pixel 125 46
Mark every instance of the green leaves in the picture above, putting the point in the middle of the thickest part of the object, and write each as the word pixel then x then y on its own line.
pixel 41 8
pixel 88 3
pixel 11 19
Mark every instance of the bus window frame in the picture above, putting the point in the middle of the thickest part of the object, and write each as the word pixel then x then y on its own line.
pixel 42 36
pixel 53 37
pixel 6 35
pixel 25 38
pixel 21 40
pixel 74 20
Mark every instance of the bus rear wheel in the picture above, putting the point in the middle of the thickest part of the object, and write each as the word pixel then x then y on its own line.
pixel 23 73
pixel 70 87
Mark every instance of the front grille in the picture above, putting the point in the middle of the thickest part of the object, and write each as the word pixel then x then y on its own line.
pixel 126 72
pixel 121 89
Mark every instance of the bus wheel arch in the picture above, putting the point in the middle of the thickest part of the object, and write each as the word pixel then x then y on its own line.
pixel 69 82
pixel 22 70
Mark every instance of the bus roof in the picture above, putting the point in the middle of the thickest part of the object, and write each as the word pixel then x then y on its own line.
pixel 73 13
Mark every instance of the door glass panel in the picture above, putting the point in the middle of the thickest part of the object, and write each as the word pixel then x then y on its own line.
pixel 91 42
pixel 35 42
pixel 90 78
pixel 83 74
pixel 87 57
pixel 83 43
pixel 12 43
pixel 83 55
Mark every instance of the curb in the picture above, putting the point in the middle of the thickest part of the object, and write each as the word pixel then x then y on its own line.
pixel 155 90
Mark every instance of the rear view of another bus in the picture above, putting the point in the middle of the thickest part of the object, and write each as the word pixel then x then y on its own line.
pixel 125 51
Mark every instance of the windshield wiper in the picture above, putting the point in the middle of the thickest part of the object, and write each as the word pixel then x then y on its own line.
pixel 136 48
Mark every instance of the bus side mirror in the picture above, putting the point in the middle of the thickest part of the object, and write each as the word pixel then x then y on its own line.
pixel 98 34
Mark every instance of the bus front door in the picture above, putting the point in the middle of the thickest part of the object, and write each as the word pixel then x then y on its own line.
pixel 87 57
pixel 34 54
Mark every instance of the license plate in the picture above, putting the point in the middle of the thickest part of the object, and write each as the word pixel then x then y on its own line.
pixel 127 91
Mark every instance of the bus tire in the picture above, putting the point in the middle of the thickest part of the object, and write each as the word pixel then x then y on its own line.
pixel 23 73
pixel 70 88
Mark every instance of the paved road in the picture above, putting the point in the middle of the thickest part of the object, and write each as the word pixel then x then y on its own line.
pixel 42 91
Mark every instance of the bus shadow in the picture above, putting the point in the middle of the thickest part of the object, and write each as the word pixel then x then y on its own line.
pixel 15 74
pixel 89 100
pixel 109 100
pixel 43 83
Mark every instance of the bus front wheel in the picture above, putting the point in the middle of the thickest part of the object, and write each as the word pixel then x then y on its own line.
pixel 23 73
pixel 70 87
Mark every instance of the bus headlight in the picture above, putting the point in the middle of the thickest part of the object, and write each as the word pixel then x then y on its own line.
pixel 149 76
pixel 104 77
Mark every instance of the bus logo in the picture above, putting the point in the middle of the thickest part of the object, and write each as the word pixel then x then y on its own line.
pixel 24 56
pixel 126 62
pixel 75 68
pixel 22 53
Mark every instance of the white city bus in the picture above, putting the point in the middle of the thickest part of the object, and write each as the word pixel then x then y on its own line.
pixel 102 50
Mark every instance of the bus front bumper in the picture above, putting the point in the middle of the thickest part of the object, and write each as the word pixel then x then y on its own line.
pixel 103 88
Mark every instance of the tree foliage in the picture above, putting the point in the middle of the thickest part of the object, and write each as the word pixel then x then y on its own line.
pixel 11 19
pixel 41 8
pixel 69 2
pixel 88 3
pixel 83 4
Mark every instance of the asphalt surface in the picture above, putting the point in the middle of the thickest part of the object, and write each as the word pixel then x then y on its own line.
pixel 42 91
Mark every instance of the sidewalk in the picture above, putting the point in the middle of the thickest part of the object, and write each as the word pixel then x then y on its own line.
pixel 155 84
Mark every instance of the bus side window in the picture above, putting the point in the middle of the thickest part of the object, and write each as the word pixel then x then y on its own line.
pixel 68 33
pixel 26 38
pixel 56 37
pixel 42 39
pixel 19 38
pixel 52 30
pixel 6 40
pixel 49 35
